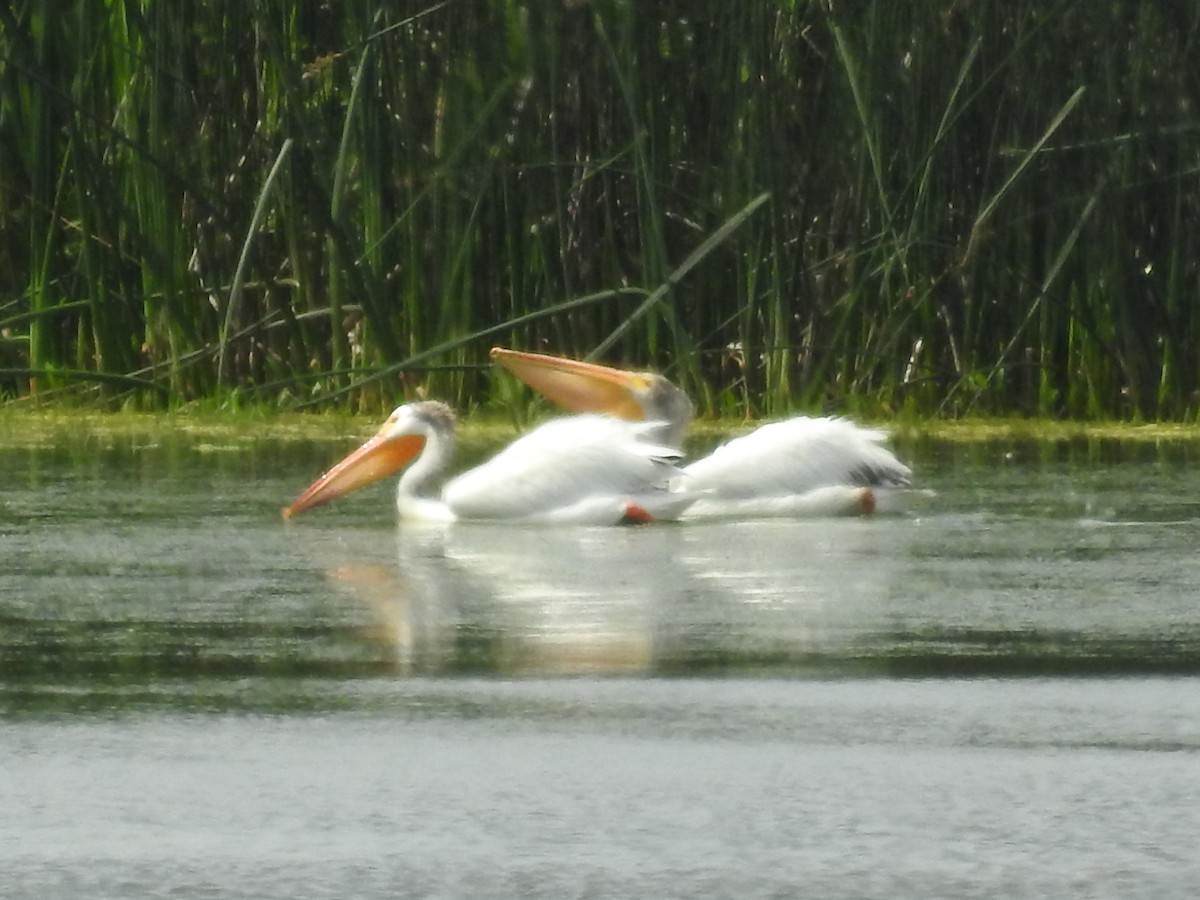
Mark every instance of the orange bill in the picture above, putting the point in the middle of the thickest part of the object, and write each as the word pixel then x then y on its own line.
pixel 578 386
pixel 377 458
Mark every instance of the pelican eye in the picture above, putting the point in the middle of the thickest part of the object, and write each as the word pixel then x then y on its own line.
pixel 643 382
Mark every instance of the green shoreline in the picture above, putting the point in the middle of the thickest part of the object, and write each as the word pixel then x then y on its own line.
pixel 228 430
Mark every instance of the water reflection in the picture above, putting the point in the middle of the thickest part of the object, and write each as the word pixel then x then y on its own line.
pixel 137 575
pixel 519 600
pixel 522 600
pixel 141 588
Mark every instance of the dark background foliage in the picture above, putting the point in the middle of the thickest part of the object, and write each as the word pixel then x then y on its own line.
pixel 972 207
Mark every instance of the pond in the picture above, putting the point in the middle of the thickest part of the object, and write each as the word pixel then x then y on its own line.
pixel 994 692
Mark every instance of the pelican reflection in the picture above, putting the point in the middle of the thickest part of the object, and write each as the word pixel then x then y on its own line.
pixel 533 600
pixel 520 599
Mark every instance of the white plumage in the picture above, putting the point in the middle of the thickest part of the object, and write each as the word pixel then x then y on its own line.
pixel 589 469
pixel 797 467
pixel 582 469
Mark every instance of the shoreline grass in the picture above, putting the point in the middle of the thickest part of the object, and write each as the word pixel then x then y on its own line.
pixel 232 430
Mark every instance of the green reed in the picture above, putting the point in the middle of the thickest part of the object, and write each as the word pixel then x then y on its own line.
pixel 938 208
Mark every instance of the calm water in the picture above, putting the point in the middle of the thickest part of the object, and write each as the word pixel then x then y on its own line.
pixel 993 694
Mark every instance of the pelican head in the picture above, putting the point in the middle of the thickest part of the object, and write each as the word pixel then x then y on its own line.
pixel 590 388
pixel 416 431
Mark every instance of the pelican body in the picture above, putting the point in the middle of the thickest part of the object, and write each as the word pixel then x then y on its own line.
pixel 584 469
pixel 802 466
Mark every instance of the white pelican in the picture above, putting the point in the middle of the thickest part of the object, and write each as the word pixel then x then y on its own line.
pixel 581 469
pixel 797 467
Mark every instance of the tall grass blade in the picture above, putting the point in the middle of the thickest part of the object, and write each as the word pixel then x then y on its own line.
pixel 239 276
pixel 676 275
pixel 989 207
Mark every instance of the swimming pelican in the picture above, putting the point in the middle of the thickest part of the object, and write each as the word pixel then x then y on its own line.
pixel 582 469
pixel 801 466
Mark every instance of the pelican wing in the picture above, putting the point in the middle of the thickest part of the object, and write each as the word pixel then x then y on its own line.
pixel 795 457
pixel 588 469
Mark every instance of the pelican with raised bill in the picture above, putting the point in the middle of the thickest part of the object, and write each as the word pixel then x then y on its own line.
pixel 584 469
pixel 799 467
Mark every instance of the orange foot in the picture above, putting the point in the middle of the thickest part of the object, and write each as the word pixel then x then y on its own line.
pixel 637 515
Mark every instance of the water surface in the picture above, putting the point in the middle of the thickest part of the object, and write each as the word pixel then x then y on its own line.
pixel 994 693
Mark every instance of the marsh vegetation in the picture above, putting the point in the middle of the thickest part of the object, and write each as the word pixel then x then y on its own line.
pixel 934 208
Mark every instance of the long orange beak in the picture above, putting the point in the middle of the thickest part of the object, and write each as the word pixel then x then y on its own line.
pixel 377 458
pixel 578 386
